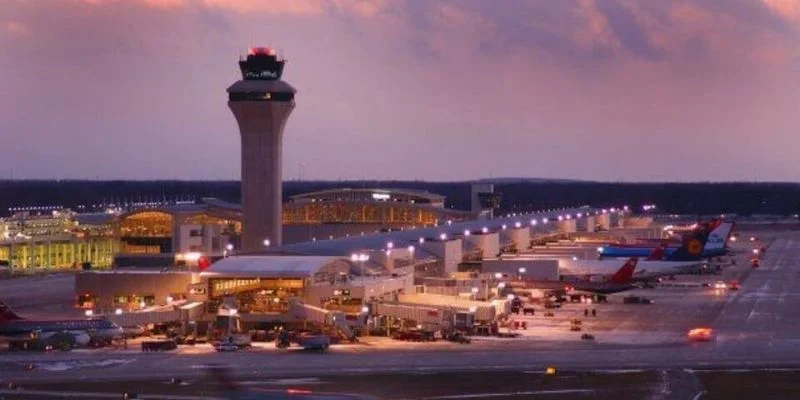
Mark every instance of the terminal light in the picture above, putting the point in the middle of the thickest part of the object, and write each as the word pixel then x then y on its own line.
pixel 365 309
pixel 545 220
pixel 474 290
pixel 485 230
pixel 169 299
pixel 498 275
pixel 421 240
pixel 466 232
pixel 510 297
pixel 89 313
pixel 390 245
pixel 354 257
pixel 229 247
pixel 560 217
pixel 266 242
pixel 501 285
pixel 534 222
pixel 411 249
pixel 504 227
pixel 443 236
pixel 192 256
pixel 118 311
pixel 574 258
pixel 522 270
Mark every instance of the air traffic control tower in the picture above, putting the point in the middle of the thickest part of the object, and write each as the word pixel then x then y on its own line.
pixel 261 103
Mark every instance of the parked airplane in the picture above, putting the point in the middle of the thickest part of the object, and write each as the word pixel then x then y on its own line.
pixel 619 279
pixel 64 334
pixel 602 270
pixel 705 243
pixel 619 282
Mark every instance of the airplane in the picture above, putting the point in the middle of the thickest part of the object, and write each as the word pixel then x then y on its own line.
pixel 658 253
pixel 64 334
pixel 710 241
pixel 579 283
pixel 646 270
pixel 619 282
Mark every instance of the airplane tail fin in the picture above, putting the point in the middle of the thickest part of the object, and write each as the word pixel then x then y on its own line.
pixel 698 241
pixel 718 238
pixel 6 314
pixel 658 253
pixel 625 274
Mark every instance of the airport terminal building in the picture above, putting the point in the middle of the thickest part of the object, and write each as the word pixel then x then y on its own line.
pixel 160 235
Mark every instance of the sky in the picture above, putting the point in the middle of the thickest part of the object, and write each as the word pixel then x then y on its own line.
pixel 612 90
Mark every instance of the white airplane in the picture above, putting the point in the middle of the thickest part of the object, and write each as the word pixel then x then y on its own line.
pixel 599 270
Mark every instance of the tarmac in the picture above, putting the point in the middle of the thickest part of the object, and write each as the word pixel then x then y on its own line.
pixel 756 327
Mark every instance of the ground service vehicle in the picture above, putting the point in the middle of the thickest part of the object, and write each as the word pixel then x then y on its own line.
pixel 528 311
pixel 314 342
pixel 700 334
pixel 414 335
pixel 225 347
pixel 159 345
pixel 636 300
pixel 458 337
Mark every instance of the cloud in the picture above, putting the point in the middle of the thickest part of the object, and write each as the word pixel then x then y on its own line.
pixel 447 81
pixel 16 28
pixel 789 9
pixel 628 31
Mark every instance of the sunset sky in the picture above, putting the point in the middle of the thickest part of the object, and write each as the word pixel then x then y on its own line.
pixel 689 90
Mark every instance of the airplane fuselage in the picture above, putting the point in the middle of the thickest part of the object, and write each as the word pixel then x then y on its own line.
pixel 81 330
pixel 625 252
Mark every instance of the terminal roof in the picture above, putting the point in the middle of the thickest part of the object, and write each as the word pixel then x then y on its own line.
pixel 269 266
pixel 344 247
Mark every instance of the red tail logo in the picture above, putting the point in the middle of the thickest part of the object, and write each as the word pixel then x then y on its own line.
pixel 625 274
pixel 658 253
pixel 6 314
pixel 203 263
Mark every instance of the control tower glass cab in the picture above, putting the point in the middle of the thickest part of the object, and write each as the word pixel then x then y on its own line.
pixel 261 103
pixel 262 63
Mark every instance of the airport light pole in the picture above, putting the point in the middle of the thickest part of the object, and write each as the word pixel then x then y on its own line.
pixel 359 258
